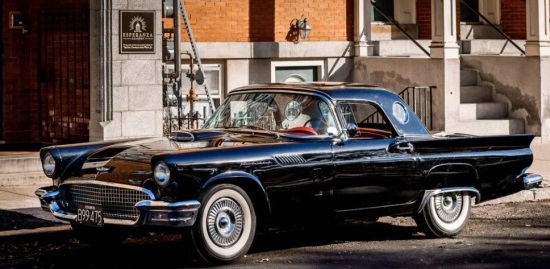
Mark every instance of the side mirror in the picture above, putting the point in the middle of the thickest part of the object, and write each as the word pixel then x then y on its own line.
pixel 352 129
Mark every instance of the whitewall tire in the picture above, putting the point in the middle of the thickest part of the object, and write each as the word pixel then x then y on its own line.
pixel 445 215
pixel 225 225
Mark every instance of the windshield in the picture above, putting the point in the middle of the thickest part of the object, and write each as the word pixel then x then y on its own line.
pixel 280 112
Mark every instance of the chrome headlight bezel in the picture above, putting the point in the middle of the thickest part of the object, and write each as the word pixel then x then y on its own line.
pixel 162 174
pixel 49 165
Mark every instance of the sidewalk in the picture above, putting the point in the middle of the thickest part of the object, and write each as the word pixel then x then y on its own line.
pixel 21 213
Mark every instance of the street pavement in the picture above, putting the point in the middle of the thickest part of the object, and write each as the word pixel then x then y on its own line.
pixel 21 205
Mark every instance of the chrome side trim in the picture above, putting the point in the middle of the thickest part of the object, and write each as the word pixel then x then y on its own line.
pixel 428 194
pixel 531 181
pixel 374 207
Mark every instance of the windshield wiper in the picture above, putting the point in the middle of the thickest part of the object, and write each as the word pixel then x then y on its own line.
pixel 252 128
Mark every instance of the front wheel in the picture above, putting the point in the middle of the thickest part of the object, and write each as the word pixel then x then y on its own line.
pixel 445 215
pixel 225 226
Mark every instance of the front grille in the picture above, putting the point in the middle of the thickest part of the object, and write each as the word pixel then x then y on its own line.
pixel 117 202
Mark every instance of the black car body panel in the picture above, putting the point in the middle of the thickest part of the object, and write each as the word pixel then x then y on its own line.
pixel 369 156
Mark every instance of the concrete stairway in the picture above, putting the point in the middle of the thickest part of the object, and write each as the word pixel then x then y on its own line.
pixel 479 113
pixel 21 169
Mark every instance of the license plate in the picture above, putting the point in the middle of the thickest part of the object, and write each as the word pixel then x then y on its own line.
pixel 90 215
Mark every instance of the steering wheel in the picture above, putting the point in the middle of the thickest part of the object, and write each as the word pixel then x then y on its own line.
pixel 319 120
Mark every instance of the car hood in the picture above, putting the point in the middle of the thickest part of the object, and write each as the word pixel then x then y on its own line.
pixel 130 162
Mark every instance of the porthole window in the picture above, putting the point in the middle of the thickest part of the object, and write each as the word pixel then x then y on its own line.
pixel 400 113
pixel 293 110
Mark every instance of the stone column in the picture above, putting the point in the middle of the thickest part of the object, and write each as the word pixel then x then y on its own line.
pixel 444 34
pixel 538 36
pixel 126 89
pixel 362 35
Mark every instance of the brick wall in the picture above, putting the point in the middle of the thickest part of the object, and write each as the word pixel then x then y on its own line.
pixel 424 18
pixel 267 20
pixel 513 18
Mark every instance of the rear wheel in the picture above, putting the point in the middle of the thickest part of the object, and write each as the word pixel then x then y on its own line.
pixel 225 225
pixel 445 215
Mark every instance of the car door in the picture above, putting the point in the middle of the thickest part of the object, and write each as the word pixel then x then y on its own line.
pixel 373 168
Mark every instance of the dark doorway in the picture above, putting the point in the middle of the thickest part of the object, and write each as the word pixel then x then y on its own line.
pixel 1 76
pixel 386 7
pixel 466 14
pixel 63 75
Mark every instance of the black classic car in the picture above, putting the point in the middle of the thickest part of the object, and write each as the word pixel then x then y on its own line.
pixel 279 156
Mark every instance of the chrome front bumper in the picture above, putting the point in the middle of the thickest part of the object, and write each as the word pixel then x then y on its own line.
pixel 152 213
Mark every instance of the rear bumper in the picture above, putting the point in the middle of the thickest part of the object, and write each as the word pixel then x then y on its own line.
pixel 531 180
pixel 152 213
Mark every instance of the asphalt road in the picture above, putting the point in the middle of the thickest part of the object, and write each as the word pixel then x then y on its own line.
pixel 511 235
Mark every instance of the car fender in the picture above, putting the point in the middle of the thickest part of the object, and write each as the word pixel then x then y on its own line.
pixel 252 185
pixel 452 175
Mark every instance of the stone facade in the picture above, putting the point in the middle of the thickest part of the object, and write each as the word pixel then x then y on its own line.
pixel 249 40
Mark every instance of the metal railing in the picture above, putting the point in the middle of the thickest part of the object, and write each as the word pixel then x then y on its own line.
pixel 493 26
pixel 419 100
pixel 394 22
pixel 186 122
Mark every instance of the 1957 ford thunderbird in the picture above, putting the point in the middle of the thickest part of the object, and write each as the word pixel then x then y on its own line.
pixel 279 155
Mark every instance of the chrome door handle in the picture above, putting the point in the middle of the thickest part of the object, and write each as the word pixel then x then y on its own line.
pixel 405 147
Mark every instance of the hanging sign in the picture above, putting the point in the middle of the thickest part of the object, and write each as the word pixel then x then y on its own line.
pixel 137 32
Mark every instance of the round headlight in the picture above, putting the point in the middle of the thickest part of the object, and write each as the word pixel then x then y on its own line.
pixel 48 164
pixel 162 174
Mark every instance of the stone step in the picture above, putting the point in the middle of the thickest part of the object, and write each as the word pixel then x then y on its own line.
pixel 488 127
pixel 23 164
pixel 479 31
pixel 491 47
pixel 489 110
pixel 468 77
pixel 400 48
pixel 476 94
pixel 24 179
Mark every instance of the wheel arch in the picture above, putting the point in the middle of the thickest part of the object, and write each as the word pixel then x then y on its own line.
pixel 253 188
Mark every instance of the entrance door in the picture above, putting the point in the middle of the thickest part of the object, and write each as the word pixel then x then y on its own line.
pixel 466 14
pixel 1 78
pixel 64 82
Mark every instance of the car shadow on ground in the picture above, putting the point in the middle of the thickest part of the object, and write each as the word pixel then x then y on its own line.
pixel 349 232
pixel 12 220
pixel 169 250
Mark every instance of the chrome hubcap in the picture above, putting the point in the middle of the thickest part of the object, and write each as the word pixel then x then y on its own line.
pixel 448 206
pixel 225 222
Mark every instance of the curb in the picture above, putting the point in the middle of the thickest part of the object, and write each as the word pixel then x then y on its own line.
pixel 42 231
pixel 532 195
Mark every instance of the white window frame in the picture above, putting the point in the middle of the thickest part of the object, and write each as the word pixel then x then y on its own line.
pixel 206 66
pixel 320 64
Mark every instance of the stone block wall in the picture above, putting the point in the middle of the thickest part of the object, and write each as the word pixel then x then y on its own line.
pixel 136 80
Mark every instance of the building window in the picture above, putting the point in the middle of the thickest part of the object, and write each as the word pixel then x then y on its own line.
pixel 299 71
pixel 213 74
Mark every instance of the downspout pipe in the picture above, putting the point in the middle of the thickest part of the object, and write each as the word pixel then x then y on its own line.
pixel 106 62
